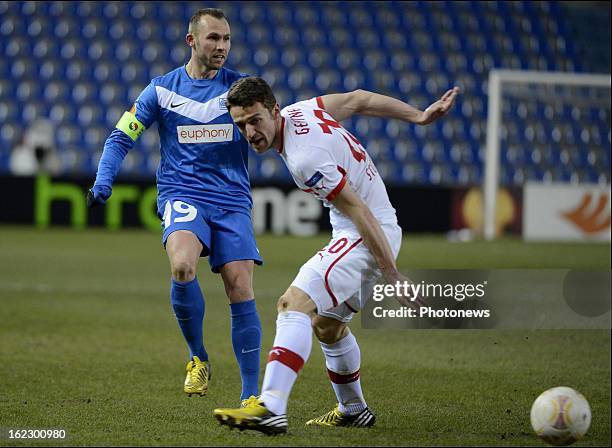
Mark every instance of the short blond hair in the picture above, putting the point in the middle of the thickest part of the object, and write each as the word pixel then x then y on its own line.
pixel 195 18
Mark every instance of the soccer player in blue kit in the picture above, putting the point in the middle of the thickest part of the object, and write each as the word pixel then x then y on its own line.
pixel 204 197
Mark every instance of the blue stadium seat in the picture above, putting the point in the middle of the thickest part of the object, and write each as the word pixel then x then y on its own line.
pixel 279 13
pixel 274 76
pixel 67 134
pixel 301 77
pixel 8 113
pixel 33 110
pixel 415 174
pixel 83 63
pixel 285 36
pixel 126 50
pixel 328 81
pixel 6 90
pixel 113 113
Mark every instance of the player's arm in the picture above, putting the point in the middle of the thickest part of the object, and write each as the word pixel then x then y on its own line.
pixel 129 127
pixel 351 205
pixel 362 102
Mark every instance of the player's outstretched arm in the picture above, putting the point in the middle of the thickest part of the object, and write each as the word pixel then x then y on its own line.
pixel 362 102
pixel 131 125
pixel 116 147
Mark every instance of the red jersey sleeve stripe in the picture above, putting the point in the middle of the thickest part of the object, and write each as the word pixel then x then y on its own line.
pixel 331 196
pixel 320 102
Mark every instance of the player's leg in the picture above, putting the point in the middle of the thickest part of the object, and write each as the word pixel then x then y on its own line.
pixel 184 249
pixel 186 238
pixel 342 354
pixel 343 362
pixel 310 293
pixel 187 300
pixel 292 346
pixel 334 279
pixel 233 254
pixel 245 324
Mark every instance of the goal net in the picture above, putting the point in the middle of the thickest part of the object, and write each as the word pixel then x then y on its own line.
pixel 547 128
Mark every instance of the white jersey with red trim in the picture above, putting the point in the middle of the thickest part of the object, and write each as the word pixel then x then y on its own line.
pixel 322 157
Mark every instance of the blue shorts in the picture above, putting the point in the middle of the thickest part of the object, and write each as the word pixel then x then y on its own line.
pixel 225 234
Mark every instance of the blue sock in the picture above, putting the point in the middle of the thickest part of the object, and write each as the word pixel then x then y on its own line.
pixel 246 340
pixel 188 304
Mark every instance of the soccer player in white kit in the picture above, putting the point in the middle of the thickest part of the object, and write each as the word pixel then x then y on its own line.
pixel 327 161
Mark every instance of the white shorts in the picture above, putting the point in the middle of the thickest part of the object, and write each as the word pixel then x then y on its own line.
pixel 334 277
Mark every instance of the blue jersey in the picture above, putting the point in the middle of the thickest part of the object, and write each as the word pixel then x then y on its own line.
pixel 203 155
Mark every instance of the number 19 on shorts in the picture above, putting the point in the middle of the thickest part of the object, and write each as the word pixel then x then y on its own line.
pixel 178 211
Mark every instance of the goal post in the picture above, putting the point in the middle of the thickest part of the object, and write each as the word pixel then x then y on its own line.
pixel 497 79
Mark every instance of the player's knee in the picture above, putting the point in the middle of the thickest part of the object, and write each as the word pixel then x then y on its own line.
pixel 239 293
pixel 283 303
pixel 287 302
pixel 238 280
pixel 296 301
pixel 238 289
pixel 183 271
pixel 328 334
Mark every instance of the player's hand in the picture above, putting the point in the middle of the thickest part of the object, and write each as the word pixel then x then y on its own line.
pixel 440 107
pixel 393 278
pixel 98 195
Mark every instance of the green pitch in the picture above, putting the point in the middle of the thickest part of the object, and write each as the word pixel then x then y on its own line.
pixel 88 343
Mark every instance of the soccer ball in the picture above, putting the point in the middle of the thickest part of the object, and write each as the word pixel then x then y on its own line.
pixel 560 416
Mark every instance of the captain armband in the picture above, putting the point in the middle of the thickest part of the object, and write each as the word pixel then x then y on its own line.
pixel 130 125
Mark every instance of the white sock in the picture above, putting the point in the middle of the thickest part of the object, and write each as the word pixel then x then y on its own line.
pixel 291 350
pixel 343 360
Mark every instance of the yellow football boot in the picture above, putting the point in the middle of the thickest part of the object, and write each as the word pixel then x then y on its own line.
pixel 254 415
pixel 336 418
pixel 198 376
pixel 251 401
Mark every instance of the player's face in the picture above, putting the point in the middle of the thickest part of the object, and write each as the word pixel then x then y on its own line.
pixel 211 42
pixel 257 124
